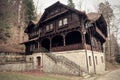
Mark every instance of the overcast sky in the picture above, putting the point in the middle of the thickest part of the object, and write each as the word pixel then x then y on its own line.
pixel 87 5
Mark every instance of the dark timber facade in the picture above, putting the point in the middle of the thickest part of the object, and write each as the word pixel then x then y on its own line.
pixel 62 28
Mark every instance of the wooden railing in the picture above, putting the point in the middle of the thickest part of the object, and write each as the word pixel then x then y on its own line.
pixel 68 47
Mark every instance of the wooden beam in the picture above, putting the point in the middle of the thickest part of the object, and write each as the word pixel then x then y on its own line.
pixel 98 31
pixel 54 16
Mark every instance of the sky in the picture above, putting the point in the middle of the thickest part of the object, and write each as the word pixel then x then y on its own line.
pixel 87 5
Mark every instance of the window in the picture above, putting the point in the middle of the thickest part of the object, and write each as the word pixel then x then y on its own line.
pixel 31 47
pixel 65 21
pixel 47 28
pixel 30 59
pixel 96 59
pixel 102 60
pixel 56 11
pixel 30 35
pixel 93 42
pixel 99 44
pixel 51 26
pixel 60 23
pixel 90 62
pixel 37 32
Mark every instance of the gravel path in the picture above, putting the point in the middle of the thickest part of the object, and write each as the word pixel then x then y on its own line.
pixel 113 75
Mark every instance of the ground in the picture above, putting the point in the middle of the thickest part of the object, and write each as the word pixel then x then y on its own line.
pixel 112 75
pixel 109 75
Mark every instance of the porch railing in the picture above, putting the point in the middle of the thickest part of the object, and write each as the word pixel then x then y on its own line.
pixel 67 47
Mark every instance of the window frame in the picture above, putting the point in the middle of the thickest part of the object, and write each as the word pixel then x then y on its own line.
pixel 65 21
pixel 60 23
pixel 51 25
pixel 102 59
pixel 47 27
pixel 96 60
pixel 90 61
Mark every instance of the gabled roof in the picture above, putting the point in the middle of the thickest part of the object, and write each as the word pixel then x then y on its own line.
pixel 30 25
pixel 96 16
pixel 93 16
pixel 34 39
pixel 60 4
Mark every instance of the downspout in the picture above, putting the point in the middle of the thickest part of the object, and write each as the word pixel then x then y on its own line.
pixel 92 52
pixel 84 43
pixel 86 53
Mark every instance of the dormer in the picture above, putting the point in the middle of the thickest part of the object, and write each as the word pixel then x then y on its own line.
pixel 99 24
pixel 31 30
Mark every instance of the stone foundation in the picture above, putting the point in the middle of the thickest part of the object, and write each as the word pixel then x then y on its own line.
pixel 89 62
pixel 17 66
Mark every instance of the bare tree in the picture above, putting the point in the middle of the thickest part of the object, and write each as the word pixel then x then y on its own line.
pixel 107 11
pixel 80 5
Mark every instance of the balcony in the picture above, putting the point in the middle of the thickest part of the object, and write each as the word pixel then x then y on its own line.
pixel 68 47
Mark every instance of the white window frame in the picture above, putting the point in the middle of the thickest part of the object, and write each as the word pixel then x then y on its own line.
pixel 65 21
pixel 51 26
pixel 60 23
pixel 47 28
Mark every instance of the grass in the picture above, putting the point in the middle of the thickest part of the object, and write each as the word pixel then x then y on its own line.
pixel 20 76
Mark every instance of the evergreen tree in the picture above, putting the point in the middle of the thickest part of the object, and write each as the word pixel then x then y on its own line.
pixel 4 20
pixel 71 4
pixel 30 10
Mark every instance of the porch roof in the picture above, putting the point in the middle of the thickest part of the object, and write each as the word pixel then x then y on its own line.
pixel 30 40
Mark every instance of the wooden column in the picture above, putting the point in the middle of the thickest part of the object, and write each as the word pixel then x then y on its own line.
pixel 83 41
pixel 38 46
pixel 50 44
pixel 64 43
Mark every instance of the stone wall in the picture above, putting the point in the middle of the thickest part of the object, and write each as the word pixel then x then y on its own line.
pixel 79 57
pixel 16 66
pixel 54 64
pixel 60 65
pixel 94 60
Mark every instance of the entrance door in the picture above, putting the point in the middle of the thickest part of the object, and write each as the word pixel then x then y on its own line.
pixel 39 61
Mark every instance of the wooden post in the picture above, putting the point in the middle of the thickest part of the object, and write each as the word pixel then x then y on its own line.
pixel 64 43
pixel 38 46
pixel 50 44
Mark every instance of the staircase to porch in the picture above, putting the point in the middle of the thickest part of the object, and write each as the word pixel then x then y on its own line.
pixel 72 66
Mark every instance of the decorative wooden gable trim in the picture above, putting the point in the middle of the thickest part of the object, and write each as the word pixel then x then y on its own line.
pixel 30 26
pixel 63 9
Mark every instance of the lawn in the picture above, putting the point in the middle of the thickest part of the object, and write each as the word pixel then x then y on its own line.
pixel 21 76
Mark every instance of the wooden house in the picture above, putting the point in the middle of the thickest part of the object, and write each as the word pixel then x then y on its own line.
pixel 62 29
